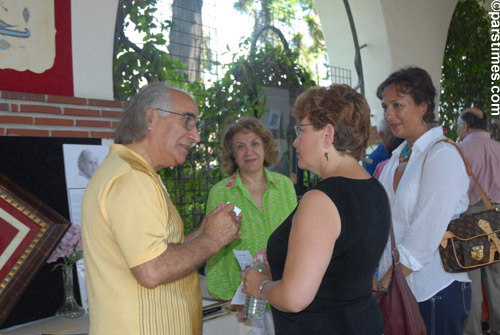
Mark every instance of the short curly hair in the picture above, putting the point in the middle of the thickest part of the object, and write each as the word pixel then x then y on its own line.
pixel 243 125
pixel 415 82
pixel 342 107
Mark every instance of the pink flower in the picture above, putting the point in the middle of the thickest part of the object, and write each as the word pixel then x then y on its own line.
pixel 69 248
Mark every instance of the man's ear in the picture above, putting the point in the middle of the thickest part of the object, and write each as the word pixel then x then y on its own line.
pixel 151 115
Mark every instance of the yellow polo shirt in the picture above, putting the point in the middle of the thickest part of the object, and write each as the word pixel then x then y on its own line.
pixel 127 220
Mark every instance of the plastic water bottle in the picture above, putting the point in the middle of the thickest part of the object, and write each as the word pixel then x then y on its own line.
pixel 254 308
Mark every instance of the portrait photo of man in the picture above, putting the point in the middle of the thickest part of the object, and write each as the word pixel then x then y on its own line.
pixel 87 164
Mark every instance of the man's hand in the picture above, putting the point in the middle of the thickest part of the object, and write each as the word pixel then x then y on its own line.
pixel 219 227
pixel 222 225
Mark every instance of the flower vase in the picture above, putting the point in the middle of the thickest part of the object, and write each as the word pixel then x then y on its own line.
pixel 70 308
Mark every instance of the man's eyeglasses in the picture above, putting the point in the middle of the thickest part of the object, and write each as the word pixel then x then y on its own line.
pixel 459 123
pixel 298 131
pixel 190 118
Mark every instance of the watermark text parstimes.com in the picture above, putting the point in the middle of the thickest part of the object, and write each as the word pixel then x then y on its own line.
pixel 495 57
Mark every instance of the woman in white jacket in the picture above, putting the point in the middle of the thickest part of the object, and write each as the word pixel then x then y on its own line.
pixel 424 198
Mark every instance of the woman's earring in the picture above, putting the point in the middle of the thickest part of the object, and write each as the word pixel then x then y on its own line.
pixel 326 156
pixel 423 122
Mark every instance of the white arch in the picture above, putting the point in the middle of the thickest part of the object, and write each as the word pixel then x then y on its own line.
pixel 396 33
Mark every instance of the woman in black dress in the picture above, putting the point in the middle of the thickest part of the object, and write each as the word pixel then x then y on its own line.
pixel 324 255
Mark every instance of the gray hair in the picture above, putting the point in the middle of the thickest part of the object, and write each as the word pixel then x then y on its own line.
pixel 382 127
pixel 133 121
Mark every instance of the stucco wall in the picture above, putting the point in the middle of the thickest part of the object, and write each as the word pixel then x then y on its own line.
pixel 396 33
pixel 93 30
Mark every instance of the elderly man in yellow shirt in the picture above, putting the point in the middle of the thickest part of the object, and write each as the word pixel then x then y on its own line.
pixel 140 268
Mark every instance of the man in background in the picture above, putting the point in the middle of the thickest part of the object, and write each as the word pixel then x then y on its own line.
pixel 483 155
pixel 141 269
pixel 379 154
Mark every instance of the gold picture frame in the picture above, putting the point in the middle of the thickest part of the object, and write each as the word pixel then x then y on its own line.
pixel 30 232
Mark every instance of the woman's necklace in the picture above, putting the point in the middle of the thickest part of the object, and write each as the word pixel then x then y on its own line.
pixel 253 186
pixel 405 154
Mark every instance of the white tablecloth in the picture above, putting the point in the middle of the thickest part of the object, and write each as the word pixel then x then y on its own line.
pixel 223 324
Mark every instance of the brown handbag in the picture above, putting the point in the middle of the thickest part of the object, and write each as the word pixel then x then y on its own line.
pixel 398 305
pixel 473 240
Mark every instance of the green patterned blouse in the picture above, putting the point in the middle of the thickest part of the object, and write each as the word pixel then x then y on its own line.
pixel 223 270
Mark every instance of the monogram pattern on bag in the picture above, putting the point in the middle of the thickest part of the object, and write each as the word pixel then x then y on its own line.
pixel 458 254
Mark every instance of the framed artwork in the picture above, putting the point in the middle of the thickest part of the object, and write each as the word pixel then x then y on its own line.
pixel 36 48
pixel 30 232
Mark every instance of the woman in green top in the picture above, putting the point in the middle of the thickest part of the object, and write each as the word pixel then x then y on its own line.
pixel 265 198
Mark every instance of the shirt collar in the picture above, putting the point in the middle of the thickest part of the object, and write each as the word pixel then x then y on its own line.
pixel 270 178
pixel 126 151
pixel 477 135
pixel 235 179
pixel 398 150
pixel 423 142
pixel 427 139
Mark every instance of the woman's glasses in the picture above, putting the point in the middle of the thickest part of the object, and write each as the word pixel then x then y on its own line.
pixel 298 131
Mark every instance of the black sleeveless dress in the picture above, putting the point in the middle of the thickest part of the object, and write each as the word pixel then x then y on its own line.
pixel 344 303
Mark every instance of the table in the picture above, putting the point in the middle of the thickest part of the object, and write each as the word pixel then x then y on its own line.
pixel 226 323
pixel 223 323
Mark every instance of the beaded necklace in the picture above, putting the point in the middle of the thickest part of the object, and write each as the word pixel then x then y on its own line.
pixel 405 154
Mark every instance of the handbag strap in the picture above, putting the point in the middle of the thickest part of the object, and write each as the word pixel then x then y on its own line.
pixel 484 197
pixel 394 250
pixel 396 265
